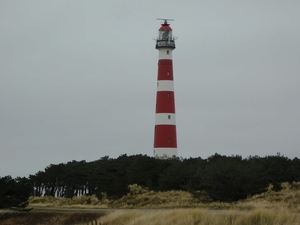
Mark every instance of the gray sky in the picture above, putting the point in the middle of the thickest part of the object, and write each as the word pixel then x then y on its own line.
pixel 78 79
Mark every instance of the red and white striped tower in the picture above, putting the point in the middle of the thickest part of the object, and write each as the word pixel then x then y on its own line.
pixel 165 141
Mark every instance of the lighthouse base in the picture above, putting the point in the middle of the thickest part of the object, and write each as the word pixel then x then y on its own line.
pixel 164 153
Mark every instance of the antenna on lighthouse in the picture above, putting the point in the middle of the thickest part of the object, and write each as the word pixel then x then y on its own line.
pixel 166 20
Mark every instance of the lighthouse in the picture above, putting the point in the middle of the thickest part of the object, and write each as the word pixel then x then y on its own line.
pixel 165 140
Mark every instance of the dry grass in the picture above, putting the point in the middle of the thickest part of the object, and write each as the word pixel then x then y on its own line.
pixel 287 198
pixel 267 208
pixel 198 217
pixel 47 218
pixel 139 197
pixel 75 202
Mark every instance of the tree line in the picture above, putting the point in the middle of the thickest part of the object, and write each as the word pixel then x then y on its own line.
pixel 223 178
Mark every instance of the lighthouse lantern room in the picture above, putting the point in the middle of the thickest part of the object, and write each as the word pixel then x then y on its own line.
pixel 165 140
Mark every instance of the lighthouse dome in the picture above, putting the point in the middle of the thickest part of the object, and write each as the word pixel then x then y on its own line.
pixel 165 26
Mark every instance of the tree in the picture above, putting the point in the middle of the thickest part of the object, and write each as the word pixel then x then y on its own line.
pixel 232 178
pixel 14 193
pixel 143 171
pixel 175 177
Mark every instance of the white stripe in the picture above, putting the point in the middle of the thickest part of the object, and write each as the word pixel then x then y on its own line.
pixel 165 119
pixel 165 85
pixel 165 152
pixel 163 53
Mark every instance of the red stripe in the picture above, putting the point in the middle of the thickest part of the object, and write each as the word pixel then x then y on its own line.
pixel 165 102
pixel 165 69
pixel 165 136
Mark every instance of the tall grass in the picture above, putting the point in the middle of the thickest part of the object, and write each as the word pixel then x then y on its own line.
pixel 139 197
pixel 159 217
pixel 267 208
pixel 199 217
pixel 75 202
pixel 287 198
pixel 51 218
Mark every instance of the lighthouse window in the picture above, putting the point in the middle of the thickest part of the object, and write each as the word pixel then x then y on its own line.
pixel 157 84
pixel 169 116
pixel 168 52
pixel 168 73
pixel 170 140
pixel 169 94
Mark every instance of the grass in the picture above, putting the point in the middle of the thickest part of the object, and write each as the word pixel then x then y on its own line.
pixel 199 217
pixel 51 218
pixel 180 207
pixel 159 217
pixel 287 198
pixel 139 197
pixel 75 202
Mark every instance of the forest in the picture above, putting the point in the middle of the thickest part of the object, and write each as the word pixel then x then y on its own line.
pixel 223 178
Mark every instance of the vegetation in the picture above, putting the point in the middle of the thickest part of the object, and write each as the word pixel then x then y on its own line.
pixel 14 193
pixel 223 178
pixel 161 217
pixel 199 217
pixel 139 197
pixel 218 182
pixel 179 207
pixel 50 218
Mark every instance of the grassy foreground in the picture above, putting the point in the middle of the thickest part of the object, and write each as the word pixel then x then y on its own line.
pixel 199 216
pixel 270 208
pixel 51 218
pixel 182 208
pixel 139 197
pixel 159 217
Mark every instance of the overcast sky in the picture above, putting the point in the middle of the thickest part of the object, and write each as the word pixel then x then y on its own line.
pixel 78 79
